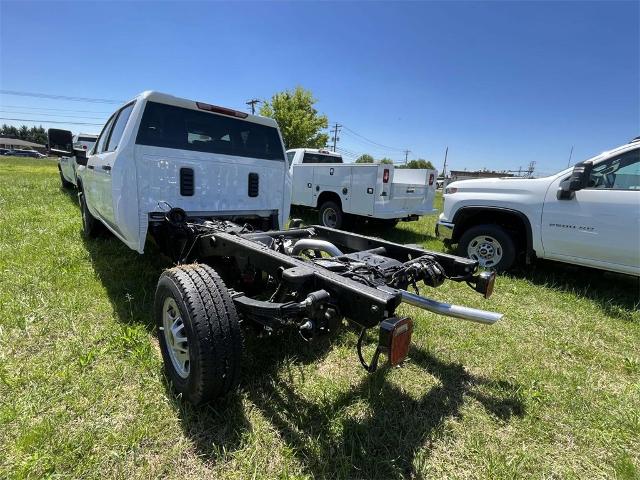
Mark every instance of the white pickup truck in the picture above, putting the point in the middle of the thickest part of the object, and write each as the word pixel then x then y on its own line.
pixel 67 166
pixel 211 186
pixel 371 191
pixel 586 215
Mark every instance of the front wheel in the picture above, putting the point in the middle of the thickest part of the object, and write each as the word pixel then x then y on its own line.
pixel 199 332
pixel 90 225
pixel 65 184
pixel 490 245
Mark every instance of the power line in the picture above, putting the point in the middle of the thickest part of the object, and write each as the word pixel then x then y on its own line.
pixel 51 115
pixel 371 141
pixel 52 109
pixel 49 121
pixel 60 97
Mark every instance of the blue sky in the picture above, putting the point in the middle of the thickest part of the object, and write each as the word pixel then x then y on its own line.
pixel 500 83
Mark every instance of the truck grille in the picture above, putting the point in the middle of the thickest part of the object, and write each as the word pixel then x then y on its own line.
pixel 254 184
pixel 187 184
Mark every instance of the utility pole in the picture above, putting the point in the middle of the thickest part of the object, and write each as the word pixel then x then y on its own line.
pixel 252 103
pixel 444 167
pixel 570 155
pixel 406 155
pixel 335 131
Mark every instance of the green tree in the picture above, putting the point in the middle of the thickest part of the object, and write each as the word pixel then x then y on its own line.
pixel 23 132
pixel 300 123
pixel 386 160
pixel 365 158
pixel 420 163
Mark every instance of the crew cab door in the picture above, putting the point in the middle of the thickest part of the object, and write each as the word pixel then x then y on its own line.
pixel 600 225
pixel 90 180
pixel 104 163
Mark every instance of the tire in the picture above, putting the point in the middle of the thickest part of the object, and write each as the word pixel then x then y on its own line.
pixel 65 184
pixel 91 226
pixel 490 245
pixel 331 215
pixel 195 300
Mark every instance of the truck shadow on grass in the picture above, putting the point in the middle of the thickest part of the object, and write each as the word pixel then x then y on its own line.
pixel 371 430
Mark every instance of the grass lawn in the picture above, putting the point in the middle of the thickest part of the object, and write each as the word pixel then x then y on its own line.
pixel 552 391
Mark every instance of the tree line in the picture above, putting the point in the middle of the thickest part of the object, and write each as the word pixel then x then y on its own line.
pixel 30 134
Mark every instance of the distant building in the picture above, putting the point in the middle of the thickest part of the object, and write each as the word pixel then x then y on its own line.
pixel 16 143
pixel 466 175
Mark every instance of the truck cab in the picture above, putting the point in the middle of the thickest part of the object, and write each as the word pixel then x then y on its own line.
pixel 344 192
pixel 586 215
pixel 159 152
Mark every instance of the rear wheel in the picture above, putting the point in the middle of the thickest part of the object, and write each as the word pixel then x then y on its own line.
pixel 331 215
pixel 199 332
pixel 91 227
pixel 490 245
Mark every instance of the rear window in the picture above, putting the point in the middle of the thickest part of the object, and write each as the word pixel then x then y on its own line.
pixel 310 157
pixel 87 139
pixel 185 129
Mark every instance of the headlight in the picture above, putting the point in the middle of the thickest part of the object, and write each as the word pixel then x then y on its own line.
pixel 450 190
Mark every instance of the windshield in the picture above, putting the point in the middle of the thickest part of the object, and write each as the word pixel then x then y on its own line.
pixel 185 129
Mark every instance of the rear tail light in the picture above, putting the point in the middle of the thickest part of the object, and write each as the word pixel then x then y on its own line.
pixel 395 338
pixel 224 111
pixel 432 177
pixel 385 176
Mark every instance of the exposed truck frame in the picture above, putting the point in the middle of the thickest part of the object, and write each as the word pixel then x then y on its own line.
pixel 309 279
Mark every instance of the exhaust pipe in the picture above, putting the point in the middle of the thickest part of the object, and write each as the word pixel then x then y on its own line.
pixel 314 244
pixel 457 311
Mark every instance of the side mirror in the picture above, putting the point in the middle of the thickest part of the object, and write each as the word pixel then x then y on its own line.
pixel 60 142
pixel 579 179
pixel 81 156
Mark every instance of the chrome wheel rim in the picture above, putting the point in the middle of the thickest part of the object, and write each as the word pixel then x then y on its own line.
pixel 486 250
pixel 175 337
pixel 329 217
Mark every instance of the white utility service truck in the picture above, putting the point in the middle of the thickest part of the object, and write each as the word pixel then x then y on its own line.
pixel 586 215
pixel 346 191
pixel 68 166
pixel 210 185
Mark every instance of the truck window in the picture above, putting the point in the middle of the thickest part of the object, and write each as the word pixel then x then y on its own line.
pixel 310 157
pixel 185 129
pixel 290 156
pixel 118 127
pixel 102 140
pixel 617 173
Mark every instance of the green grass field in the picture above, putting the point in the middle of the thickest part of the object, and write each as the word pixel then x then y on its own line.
pixel 552 391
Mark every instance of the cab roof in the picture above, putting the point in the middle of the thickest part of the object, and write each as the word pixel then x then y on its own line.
pixel 202 105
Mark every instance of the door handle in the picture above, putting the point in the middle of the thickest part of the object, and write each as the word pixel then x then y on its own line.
pixel 106 168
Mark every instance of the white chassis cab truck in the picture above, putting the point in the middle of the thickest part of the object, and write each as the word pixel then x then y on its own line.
pixel 586 215
pixel 210 185
pixel 341 190
pixel 68 166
